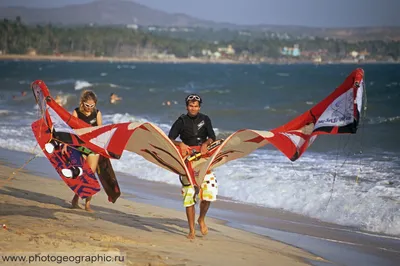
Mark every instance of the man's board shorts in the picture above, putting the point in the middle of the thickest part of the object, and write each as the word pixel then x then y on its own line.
pixel 208 191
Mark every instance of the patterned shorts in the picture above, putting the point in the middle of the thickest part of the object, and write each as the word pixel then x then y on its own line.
pixel 208 191
pixel 85 151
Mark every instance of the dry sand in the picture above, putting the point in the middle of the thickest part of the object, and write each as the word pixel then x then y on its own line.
pixel 38 217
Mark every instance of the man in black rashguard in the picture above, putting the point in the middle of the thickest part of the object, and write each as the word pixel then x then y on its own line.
pixel 195 129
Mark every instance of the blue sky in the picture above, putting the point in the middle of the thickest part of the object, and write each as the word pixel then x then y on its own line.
pixel 325 13
pixel 320 13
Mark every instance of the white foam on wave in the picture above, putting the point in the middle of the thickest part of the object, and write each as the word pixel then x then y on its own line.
pixel 192 87
pixel 223 91
pixel 126 66
pixel 5 112
pixel 269 179
pixel 392 84
pixel 267 107
pixel 121 118
pixel 304 187
pixel 18 139
pixel 81 84
pixel 112 85
pixel 64 98
pixel 282 74
pixel 382 120
pixel 61 82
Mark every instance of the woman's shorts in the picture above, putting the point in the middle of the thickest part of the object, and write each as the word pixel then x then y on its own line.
pixel 208 191
pixel 85 151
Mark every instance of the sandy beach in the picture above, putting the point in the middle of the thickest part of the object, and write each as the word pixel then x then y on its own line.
pixel 148 226
pixel 38 218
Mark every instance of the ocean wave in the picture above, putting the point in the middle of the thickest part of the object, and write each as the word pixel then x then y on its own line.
pixel 267 179
pixel 267 107
pixel 392 84
pixel 61 82
pixel 81 84
pixel 66 99
pixel 305 188
pixel 281 74
pixel 381 120
pixel 18 139
pixel 122 118
pixel 126 66
pixel 222 134
pixel 5 112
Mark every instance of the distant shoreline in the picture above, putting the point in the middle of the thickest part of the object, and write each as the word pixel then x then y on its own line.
pixel 175 60
pixel 114 59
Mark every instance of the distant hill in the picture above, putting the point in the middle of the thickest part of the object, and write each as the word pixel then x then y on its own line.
pixel 121 12
pixel 101 12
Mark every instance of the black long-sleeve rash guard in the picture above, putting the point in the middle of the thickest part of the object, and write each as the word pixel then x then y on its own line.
pixel 193 131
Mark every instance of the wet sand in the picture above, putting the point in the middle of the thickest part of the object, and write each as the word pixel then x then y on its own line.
pixel 38 218
pixel 161 206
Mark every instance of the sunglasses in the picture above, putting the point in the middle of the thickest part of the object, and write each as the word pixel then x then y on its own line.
pixel 193 98
pixel 89 105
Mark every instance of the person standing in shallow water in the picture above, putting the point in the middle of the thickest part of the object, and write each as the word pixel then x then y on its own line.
pixel 114 98
pixel 87 112
pixel 195 130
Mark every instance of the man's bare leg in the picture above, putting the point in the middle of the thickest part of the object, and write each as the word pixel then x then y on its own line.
pixel 204 205
pixel 190 214
pixel 75 202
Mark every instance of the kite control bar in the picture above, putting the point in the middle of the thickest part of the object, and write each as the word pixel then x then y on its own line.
pixel 197 155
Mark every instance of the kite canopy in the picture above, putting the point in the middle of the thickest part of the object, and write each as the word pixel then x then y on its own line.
pixel 339 113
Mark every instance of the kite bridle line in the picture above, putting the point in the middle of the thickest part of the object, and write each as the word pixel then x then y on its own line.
pixel 363 117
pixel 12 175
pixel 361 125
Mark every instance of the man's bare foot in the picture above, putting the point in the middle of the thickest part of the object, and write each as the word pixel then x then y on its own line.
pixel 203 227
pixel 75 203
pixel 191 235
